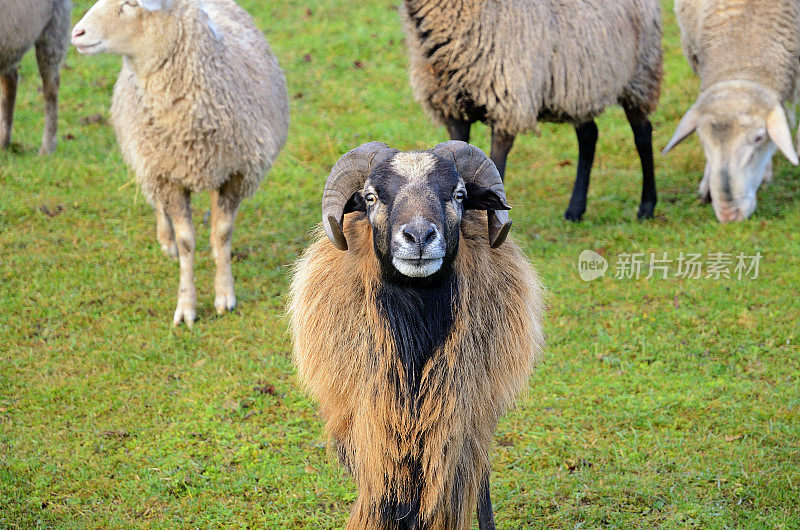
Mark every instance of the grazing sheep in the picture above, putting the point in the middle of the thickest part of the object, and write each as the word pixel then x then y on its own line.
pixel 23 24
pixel 418 337
pixel 746 53
pixel 200 104
pixel 513 63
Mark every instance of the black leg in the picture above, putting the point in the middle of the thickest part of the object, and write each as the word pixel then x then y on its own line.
pixel 485 513
pixel 501 145
pixel 458 129
pixel 643 136
pixel 587 140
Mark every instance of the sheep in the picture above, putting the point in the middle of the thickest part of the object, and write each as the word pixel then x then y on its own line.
pixel 513 63
pixel 418 337
pixel 746 55
pixel 24 24
pixel 200 104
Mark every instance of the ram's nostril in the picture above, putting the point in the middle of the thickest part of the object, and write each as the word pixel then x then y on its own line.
pixel 419 234
pixel 78 33
pixel 430 236
pixel 409 236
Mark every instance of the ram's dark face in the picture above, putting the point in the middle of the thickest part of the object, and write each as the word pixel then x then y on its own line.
pixel 414 202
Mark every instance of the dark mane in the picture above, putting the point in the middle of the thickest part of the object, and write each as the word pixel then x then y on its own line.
pixel 420 317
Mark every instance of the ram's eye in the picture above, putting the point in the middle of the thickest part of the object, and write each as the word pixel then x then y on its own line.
pixel 370 199
pixel 459 196
pixel 758 138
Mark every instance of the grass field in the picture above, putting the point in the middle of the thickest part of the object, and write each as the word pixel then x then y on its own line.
pixel 663 402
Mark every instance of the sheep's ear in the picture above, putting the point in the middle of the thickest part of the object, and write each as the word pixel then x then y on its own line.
pixel 686 127
pixel 356 203
pixel 778 130
pixel 480 198
pixel 155 5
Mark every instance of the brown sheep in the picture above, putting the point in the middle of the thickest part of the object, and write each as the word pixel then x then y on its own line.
pixel 514 63
pixel 419 336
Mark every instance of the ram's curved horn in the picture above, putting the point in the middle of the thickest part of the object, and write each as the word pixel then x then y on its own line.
pixel 475 167
pixel 346 178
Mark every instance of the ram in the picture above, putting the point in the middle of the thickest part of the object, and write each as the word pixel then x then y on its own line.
pixel 415 328
pixel 200 105
pixel 746 54
pixel 24 24
pixel 514 63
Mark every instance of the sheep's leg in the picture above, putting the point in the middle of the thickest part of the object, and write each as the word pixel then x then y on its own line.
pixel 704 192
pixel 502 142
pixel 767 178
pixel 51 79
pixel 458 129
pixel 485 512
pixel 587 141
pixel 164 231
pixel 643 136
pixel 50 51
pixel 8 84
pixel 224 205
pixel 177 205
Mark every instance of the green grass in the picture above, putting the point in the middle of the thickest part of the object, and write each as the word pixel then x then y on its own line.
pixel 669 403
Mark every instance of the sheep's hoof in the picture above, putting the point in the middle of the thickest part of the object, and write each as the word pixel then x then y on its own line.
pixel 184 313
pixel 224 303
pixel 573 216
pixel 47 149
pixel 705 198
pixel 646 211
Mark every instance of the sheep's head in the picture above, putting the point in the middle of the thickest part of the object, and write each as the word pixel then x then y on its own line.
pixel 124 27
pixel 415 202
pixel 740 124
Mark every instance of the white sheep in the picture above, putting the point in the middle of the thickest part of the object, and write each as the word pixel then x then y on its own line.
pixel 23 24
pixel 200 104
pixel 747 54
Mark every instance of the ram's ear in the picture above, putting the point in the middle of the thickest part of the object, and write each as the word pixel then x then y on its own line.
pixel 155 5
pixel 686 127
pixel 480 198
pixel 356 203
pixel 779 132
